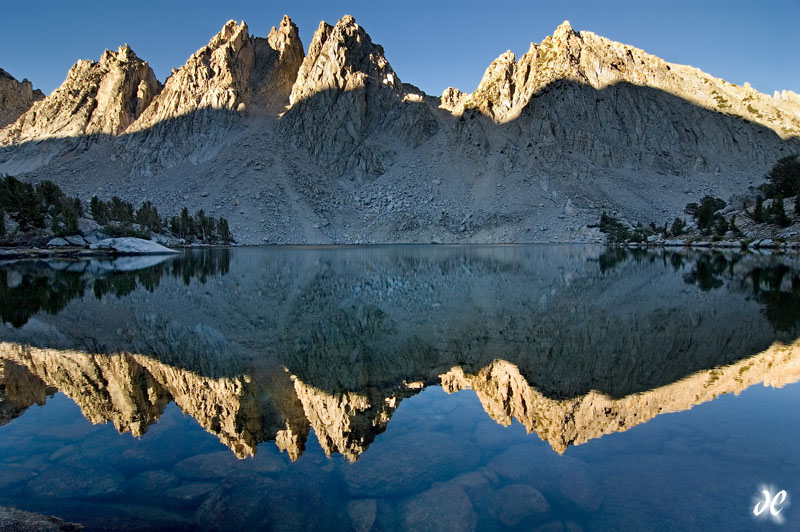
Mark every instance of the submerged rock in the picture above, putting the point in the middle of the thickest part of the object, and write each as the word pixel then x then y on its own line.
pixel 518 502
pixel 444 507
pixel 362 514
pixel 412 462
pixel 21 521
pixel 64 482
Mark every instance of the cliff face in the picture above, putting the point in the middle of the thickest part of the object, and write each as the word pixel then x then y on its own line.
pixel 16 97
pixel 331 147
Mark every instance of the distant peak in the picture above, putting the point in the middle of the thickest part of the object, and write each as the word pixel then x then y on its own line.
pixel 347 20
pixel 563 30
pixel 286 27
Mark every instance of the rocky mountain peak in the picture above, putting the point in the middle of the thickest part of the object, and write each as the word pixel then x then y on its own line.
pixel 102 97
pixel 345 88
pixel 216 76
pixel 564 31
pixel 16 97
pixel 495 93
pixel 341 57
pixel 284 36
pixel 277 61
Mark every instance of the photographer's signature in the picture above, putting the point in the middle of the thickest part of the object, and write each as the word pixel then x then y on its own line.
pixel 770 506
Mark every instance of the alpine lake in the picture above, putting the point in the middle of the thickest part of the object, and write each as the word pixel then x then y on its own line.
pixel 443 388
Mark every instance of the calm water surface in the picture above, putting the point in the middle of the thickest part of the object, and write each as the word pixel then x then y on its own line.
pixel 557 388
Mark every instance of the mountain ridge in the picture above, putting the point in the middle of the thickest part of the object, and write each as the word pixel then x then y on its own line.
pixel 345 152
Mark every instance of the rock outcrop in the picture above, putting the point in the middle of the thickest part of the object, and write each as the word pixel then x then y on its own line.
pixel 277 61
pixel 97 98
pixel 346 93
pixel 16 97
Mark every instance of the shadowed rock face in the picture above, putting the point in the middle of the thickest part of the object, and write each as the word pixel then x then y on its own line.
pixel 16 97
pixel 335 340
pixel 346 91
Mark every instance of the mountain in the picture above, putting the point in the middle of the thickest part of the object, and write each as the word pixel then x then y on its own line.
pixel 97 98
pixel 16 97
pixel 332 147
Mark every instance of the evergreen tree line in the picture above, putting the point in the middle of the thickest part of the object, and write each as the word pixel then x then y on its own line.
pixel 123 214
pixel 38 206
pixel 197 228
pixel 200 228
pixel 45 205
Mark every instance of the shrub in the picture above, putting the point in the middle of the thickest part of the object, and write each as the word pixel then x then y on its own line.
pixel 20 201
pixel 616 230
pixel 223 231
pixel 2 223
pixel 706 212
pixel 121 211
pixel 116 231
pixel 721 226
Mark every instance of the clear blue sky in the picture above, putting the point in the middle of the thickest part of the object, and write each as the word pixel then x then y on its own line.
pixel 430 44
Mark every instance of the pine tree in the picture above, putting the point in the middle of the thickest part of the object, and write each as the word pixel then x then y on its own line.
pixel 223 231
pixel 758 210
pixel 99 210
pixel 186 225
pixel 778 213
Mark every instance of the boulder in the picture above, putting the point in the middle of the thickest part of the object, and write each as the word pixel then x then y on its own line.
pixel 131 246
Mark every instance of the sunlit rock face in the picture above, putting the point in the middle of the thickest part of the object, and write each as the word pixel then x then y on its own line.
pixel 583 57
pixel 16 97
pixel 345 93
pixel 204 103
pixel 196 113
pixel 102 98
pixel 572 345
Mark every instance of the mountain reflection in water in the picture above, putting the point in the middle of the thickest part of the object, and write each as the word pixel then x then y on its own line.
pixel 573 342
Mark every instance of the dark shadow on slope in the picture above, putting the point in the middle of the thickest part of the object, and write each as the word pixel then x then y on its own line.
pixel 623 126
